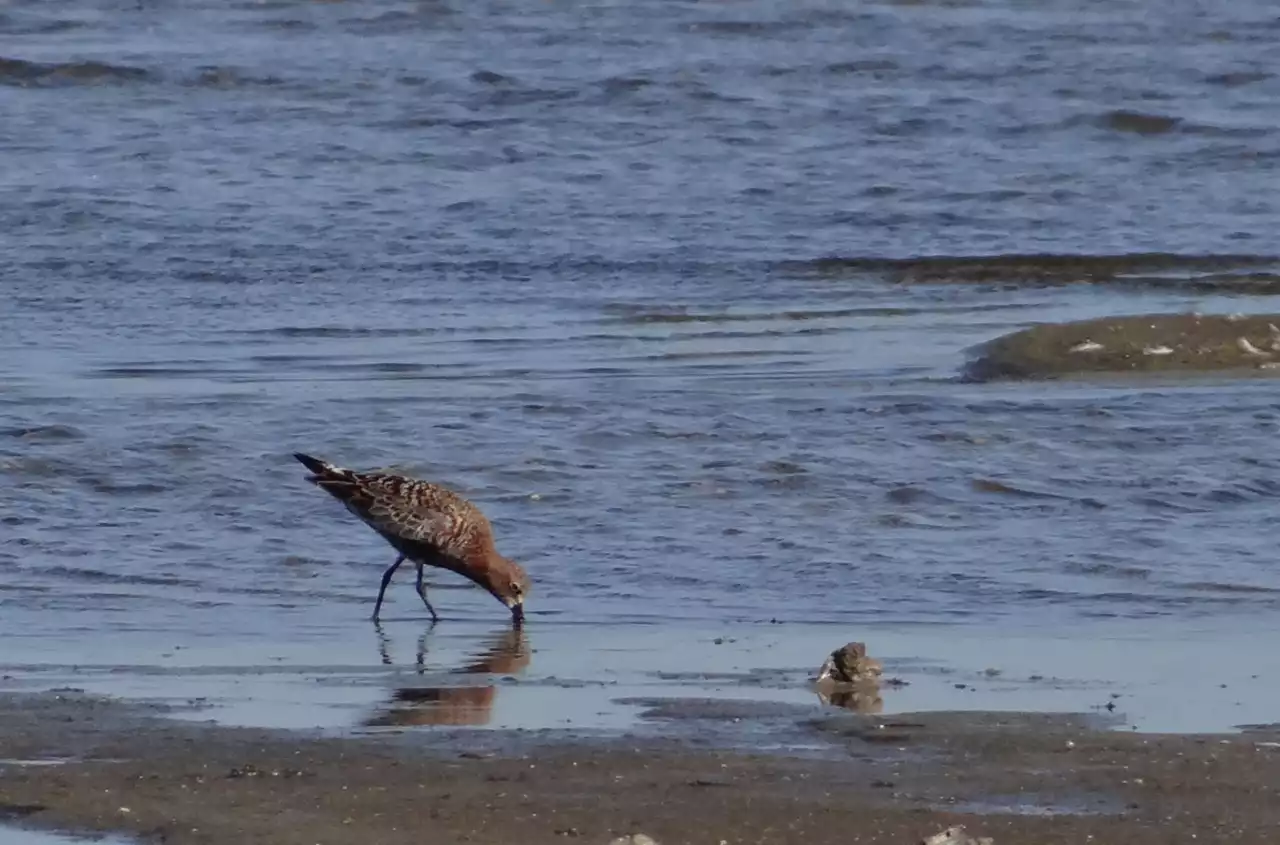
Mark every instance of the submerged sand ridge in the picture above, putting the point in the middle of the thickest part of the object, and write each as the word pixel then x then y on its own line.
pixel 1149 343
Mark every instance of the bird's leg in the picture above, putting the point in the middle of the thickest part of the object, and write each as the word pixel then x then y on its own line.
pixel 422 591
pixel 384 643
pixel 386 579
pixel 422 648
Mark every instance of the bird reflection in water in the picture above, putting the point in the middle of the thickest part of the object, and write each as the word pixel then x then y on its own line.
pixel 506 654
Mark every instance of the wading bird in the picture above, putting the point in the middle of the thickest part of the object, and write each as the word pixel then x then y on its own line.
pixel 427 524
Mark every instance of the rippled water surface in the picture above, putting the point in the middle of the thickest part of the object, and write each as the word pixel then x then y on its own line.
pixel 677 291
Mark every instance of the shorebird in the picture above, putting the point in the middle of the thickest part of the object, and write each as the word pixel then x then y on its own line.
pixel 427 524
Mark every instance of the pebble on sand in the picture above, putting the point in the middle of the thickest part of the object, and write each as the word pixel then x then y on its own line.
pixel 956 836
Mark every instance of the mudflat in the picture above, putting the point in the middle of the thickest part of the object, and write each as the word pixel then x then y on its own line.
pixel 84 763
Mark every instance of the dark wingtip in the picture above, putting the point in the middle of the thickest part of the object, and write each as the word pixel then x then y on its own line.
pixel 314 464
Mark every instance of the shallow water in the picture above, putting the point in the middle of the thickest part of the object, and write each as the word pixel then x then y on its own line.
pixel 20 836
pixel 577 261
pixel 405 675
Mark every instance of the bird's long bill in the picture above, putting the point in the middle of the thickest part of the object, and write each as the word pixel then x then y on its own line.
pixel 517 615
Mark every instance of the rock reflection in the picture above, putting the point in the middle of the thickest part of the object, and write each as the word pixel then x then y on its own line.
pixel 506 654
pixel 863 697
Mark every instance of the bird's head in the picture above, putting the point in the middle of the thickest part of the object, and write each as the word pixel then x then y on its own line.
pixel 509 584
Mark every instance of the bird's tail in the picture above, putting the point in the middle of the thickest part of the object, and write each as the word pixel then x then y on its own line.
pixel 322 471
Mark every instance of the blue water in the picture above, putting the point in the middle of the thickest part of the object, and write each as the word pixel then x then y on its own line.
pixel 573 260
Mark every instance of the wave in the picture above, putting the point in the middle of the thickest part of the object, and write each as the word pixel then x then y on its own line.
pixel 1206 272
pixel 22 73
pixel 217 76
pixel 44 433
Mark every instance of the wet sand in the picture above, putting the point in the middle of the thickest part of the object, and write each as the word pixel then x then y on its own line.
pixel 1015 777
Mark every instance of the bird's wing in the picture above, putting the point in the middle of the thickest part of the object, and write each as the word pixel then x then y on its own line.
pixel 408 509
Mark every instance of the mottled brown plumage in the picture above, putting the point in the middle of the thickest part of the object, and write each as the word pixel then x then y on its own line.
pixel 427 524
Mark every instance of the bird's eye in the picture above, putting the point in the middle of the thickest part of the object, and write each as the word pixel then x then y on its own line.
pixel 515 588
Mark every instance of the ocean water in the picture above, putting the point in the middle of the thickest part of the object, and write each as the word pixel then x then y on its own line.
pixel 678 292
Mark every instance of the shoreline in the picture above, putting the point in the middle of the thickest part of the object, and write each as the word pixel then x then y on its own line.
pixel 471 676
pixel 483 737
pixel 128 768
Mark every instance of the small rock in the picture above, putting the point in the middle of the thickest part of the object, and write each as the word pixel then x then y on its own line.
pixel 850 665
pixel 634 839
pixel 850 679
